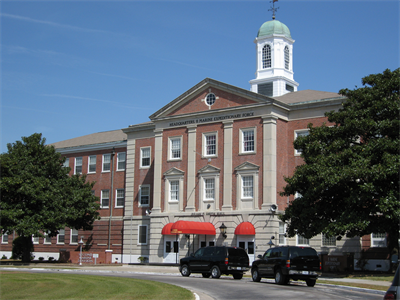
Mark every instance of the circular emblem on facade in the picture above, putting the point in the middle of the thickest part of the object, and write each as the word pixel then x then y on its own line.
pixel 210 99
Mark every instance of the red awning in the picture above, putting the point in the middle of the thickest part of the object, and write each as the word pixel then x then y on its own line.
pixel 167 229
pixel 192 227
pixel 245 228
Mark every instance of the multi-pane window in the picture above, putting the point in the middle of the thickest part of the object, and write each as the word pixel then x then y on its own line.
pixel 298 134
pixel 106 162
pixel 144 195
pixel 74 236
pixel 287 58
pixel 78 165
pixel 248 140
pixel 92 164
pixel 378 240
pixel 209 188
pixel 4 238
pixel 47 239
pixel 174 190
pixel 210 144
pixel 61 236
pixel 120 198
pixel 282 233
pixel 145 157
pixel 66 163
pixel 175 148
pixel 328 241
pixel 35 239
pixel 105 198
pixel 247 186
pixel 266 56
pixel 121 159
pixel 142 236
pixel 302 240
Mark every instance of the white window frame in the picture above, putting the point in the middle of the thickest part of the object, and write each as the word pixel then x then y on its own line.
pixel 247 178
pixel 328 242
pixel 378 240
pixel 282 233
pixel 266 59
pixel 77 161
pixel 176 192
pixel 206 145
pixel 242 142
pixel 247 170
pixel 73 233
pixel 61 233
pixel 297 133
pixel 209 189
pixel 102 197
pixel 3 239
pixel 139 235
pixel 116 198
pixel 299 242
pixel 141 194
pixel 121 160
pixel 142 149
pixel 66 163
pixel 47 239
pixel 170 141
pixel 104 163
pixel 287 57
pixel 90 163
pixel 35 240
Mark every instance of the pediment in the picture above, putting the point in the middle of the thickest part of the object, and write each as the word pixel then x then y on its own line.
pixel 174 171
pixel 194 101
pixel 209 169
pixel 247 166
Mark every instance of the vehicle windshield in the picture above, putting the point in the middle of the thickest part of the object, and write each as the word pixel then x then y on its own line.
pixel 301 252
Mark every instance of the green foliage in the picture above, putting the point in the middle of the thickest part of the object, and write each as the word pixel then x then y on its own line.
pixel 22 245
pixel 349 182
pixel 38 196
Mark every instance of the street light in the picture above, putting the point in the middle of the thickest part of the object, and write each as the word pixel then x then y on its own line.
pixel 223 230
pixel 80 254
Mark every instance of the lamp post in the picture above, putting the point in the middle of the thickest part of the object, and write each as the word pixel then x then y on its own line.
pixel 80 254
pixel 271 243
pixel 223 230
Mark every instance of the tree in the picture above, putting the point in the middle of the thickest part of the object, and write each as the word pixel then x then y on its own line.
pixel 349 182
pixel 37 195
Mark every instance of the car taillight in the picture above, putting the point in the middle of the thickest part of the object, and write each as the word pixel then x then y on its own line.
pixel 226 260
pixel 288 263
pixel 320 266
pixel 389 295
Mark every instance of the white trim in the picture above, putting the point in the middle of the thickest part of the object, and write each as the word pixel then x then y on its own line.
pixel 116 198
pixel 241 143
pixel 71 235
pixel 140 195
pixel 58 235
pixel 103 162
pixel 297 241
pixel 118 161
pixel 101 198
pixel 297 133
pixel 89 164
pixel 170 139
pixel 81 165
pixel 204 146
pixel 147 235
pixel 141 157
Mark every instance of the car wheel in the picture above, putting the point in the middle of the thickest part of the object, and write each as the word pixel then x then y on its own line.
pixel 238 275
pixel 255 275
pixel 185 271
pixel 215 272
pixel 280 278
pixel 206 275
pixel 311 282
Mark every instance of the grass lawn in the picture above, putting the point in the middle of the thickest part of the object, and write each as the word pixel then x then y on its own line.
pixel 25 285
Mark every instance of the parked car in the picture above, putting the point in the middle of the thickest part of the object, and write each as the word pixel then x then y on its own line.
pixel 393 293
pixel 286 263
pixel 216 260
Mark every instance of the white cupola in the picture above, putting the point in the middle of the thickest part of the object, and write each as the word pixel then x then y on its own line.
pixel 274 46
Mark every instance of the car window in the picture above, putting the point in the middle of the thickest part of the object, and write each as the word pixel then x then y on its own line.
pixel 208 251
pixel 220 251
pixel 199 252
pixel 300 251
pixel 267 254
pixel 237 252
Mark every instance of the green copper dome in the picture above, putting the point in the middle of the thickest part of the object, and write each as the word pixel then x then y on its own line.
pixel 274 27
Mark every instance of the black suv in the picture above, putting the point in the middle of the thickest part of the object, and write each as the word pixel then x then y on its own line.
pixel 287 262
pixel 216 260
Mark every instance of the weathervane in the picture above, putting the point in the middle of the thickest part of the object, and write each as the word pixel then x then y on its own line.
pixel 273 9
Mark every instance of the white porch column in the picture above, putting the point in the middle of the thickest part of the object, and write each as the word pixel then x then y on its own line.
pixel 227 188
pixel 191 167
pixel 157 171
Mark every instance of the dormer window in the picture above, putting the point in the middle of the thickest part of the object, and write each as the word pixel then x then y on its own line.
pixel 266 56
pixel 287 58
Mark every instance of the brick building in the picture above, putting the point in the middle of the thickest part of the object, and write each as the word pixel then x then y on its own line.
pixel 214 158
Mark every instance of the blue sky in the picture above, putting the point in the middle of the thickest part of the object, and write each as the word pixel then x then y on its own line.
pixel 71 68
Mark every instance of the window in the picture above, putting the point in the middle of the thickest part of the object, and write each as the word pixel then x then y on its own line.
pixel 66 163
pixel 145 157
pixel 121 159
pixel 328 241
pixel 78 165
pixel 174 190
pixel 266 56
pixel 74 236
pixel 210 99
pixel 297 134
pixel 106 162
pixel 266 89
pixel 142 235
pixel 120 198
pixel 4 238
pixel 210 144
pixel 144 195
pixel 289 88
pixel 35 239
pixel 47 239
pixel 302 240
pixel 378 240
pixel 282 233
pixel 105 198
pixel 287 58
pixel 175 148
pixel 247 139
pixel 61 236
pixel 247 186
pixel 209 188
pixel 92 164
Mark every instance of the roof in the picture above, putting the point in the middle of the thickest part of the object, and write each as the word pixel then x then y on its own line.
pixel 306 96
pixel 274 27
pixel 93 139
